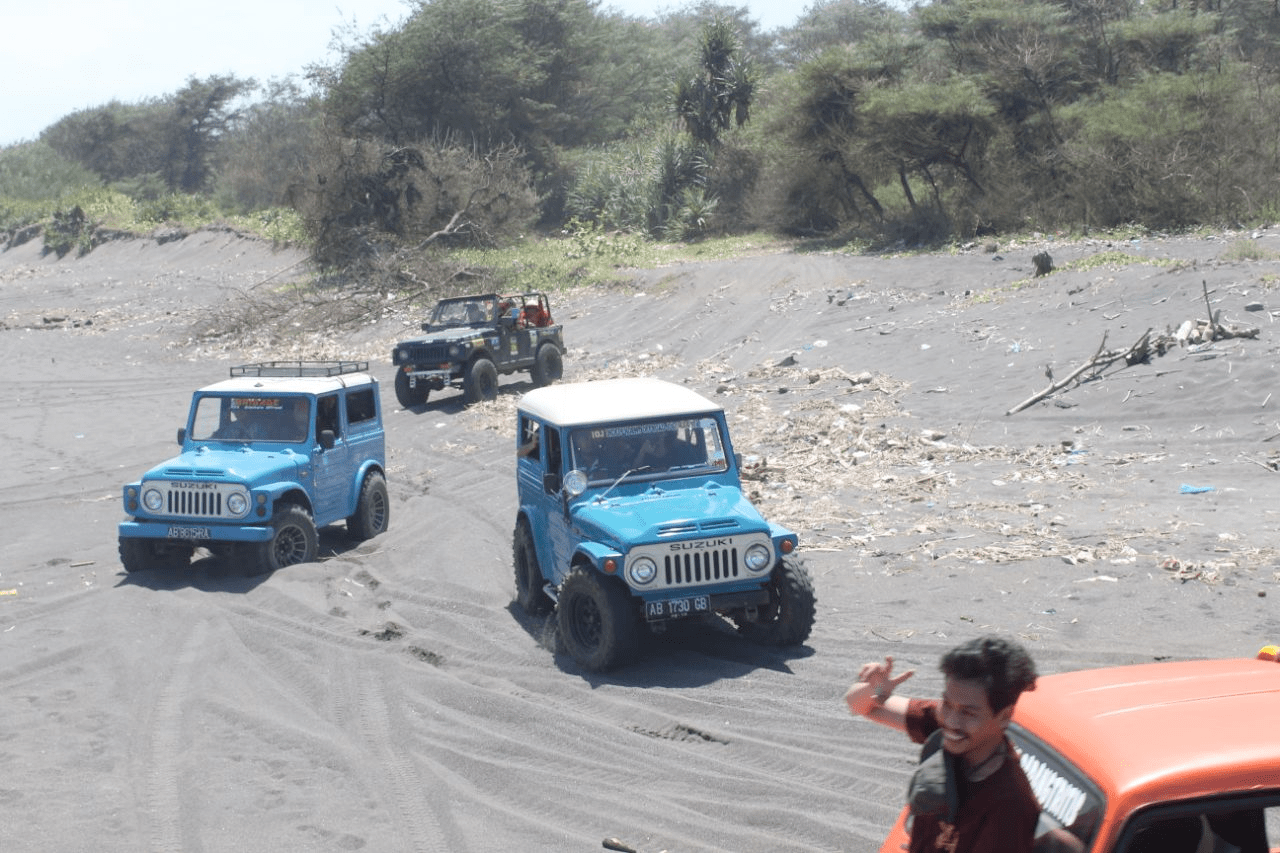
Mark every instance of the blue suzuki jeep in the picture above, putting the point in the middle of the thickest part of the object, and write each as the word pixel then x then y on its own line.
pixel 469 340
pixel 632 515
pixel 268 456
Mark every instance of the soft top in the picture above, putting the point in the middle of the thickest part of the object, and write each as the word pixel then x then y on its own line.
pixel 614 400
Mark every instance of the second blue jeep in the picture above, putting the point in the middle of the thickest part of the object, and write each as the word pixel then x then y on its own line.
pixel 632 515
pixel 268 456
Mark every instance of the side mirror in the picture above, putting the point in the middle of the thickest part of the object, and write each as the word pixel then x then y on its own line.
pixel 182 435
pixel 426 327
pixel 737 460
pixel 551 482
pixel 327 439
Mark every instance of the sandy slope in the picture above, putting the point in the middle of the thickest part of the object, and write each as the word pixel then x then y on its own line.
pixel 392 698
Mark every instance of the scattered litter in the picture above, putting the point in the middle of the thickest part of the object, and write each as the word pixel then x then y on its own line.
pixel 1107 578
pixel 8 592
pixel 1194 490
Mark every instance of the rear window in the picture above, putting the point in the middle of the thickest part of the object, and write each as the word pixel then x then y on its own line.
pixel 1071 805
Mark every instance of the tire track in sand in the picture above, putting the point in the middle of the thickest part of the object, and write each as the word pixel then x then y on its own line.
pixel 164 802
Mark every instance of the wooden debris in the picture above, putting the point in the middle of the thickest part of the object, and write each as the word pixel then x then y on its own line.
pixel 1189 333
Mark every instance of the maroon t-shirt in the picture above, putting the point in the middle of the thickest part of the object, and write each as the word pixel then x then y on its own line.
pixel 996 815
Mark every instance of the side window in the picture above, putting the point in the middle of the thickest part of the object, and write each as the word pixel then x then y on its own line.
pixel 530 444
pixel 361 406
pixel 1241 825
pixel 327 416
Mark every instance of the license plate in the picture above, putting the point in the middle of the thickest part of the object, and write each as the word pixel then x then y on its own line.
pixel 676 608
pixel 176 532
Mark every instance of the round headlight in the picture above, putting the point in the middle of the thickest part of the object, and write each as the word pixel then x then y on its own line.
pixel 643 570
pixel 457 350
pixel 237 503
pixel 575 483
pixel 757 558
pixel 401 356
pixel 152 499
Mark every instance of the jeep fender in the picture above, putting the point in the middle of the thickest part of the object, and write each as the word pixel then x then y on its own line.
pixel 353 490
pixel 779 535
pixel 279 493
pixel 595 554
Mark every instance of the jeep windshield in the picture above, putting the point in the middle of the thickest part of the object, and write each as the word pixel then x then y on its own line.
pixel 245 417
pixel 471 311
pixel 674 447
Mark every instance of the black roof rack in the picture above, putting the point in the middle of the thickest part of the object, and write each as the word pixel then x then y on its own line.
pixel 300 368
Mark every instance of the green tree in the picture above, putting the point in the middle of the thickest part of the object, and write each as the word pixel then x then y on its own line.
pixel 1173 150
pixel 173 138
pixel 538 73
pixel 268 149
pixel 719 95
pixel 115 140
pixel 826 24
pixel 198 115
pixel 33 171
pixel 933 130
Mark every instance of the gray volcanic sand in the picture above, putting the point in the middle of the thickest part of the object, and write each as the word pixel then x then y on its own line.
pixel 391 698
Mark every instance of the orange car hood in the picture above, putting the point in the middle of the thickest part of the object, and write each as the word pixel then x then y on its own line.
pixel 1163 731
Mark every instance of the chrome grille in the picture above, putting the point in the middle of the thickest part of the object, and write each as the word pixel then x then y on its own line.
pixel 187 499
pixel 682 565
pixel 693 567
pixel 195 503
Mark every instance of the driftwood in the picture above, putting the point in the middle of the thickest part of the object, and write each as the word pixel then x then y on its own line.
pixel 1190 332
pixel 1140 352
pixel 1217 331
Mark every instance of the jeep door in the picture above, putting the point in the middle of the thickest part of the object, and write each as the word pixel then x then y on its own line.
pixel 543 497
pixel 334 467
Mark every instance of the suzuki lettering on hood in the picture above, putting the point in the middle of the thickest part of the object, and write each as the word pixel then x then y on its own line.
pixel 701 544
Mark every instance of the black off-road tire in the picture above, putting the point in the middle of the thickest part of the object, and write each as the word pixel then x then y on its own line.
pixel 293 540
pixel 373 509
pixel 481 382
pixel 788 618
pixel 530 585
pixel 149 555
pixel 597 621
pixel 548 365
pixel 407 396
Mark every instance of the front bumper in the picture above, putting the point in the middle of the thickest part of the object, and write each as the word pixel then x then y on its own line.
pixel 193 532
pixel 437 377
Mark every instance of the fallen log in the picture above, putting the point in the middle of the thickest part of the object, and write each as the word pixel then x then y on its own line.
pixel 1138 353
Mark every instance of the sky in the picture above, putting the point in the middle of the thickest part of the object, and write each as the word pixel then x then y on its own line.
pixel 60 56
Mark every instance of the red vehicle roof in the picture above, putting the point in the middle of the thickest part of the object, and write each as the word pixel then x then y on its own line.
pixel 1163 731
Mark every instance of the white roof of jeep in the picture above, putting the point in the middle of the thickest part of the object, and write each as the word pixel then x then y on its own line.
pixel 287 384
pixel 578 403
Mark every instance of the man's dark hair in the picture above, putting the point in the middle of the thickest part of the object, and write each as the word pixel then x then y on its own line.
pixel 1002 666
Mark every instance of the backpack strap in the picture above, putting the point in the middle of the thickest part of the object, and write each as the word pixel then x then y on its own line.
pixel 931 745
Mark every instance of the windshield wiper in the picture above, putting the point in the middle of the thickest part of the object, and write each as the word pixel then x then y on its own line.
pixel 625 475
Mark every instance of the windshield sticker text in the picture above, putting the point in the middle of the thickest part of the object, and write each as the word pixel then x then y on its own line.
pixel 1057 796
